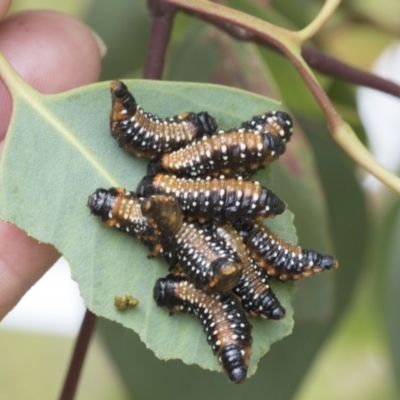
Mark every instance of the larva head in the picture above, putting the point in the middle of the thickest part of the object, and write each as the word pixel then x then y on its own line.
pixel 103 202
pixel 329 262
pixel 204 123
pixel 154 167
pixel 145 187
pixel 244 228
pixel 164 213
pixel 165 292
pixel 123 103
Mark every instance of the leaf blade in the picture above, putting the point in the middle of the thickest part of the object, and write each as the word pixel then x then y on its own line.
pixel 67 150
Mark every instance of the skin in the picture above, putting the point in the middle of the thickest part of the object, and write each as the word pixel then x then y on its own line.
pixel 53 52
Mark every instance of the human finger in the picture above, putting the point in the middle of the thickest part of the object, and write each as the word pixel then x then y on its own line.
pixel 52 52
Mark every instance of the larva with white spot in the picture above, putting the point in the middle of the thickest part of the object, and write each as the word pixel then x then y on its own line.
pixel 231 153
pixel 147 135
pixel 224 321
pixel 194 250
pixel 216 199
pixel 120 209
pixel 277 123
pixel 281 259
pixel 123 210
pixel 253 288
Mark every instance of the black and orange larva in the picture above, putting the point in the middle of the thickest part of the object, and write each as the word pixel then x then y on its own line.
pixel 123 210
pixel 146 135
pixel 253 288
pixel 216 199
pixel 232 153
pixel 224 321
pixel 277 123
pixel 281 259
pixel 120 209
pixel 194 250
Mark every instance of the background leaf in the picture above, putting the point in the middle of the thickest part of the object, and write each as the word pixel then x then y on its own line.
pixel 123 29
pixel 391 285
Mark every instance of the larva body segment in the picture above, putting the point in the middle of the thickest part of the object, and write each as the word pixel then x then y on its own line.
pixel 253 288
pixel 281 259
pixel 147 135
pixel 223 320
pixel 216 199
pixel 230 154
pixel 277 123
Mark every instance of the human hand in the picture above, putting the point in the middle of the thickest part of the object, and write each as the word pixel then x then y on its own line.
pixel 53 53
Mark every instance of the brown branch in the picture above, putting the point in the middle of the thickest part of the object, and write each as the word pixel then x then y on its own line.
pixel 329 65
pixel 78 356
pixel 316 59
pixel 161 26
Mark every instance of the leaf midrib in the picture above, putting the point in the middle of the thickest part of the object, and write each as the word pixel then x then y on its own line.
pixel 69 136
pixel 21 91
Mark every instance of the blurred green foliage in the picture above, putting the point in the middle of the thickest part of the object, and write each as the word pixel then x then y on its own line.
pixel 345 342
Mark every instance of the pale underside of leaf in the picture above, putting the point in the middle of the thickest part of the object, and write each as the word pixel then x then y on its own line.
pixel 59 150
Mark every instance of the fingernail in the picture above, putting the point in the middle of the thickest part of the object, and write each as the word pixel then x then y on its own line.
pixel 100 43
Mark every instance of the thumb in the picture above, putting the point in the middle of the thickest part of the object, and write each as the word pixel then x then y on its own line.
pixel 53 52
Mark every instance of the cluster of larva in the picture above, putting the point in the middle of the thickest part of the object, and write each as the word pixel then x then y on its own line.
pixel 198 209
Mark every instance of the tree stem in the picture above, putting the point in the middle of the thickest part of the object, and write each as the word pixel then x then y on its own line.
pixel 316 24
pixel 161 26
pixel 316 59
pixel 78 356
pixel 329 65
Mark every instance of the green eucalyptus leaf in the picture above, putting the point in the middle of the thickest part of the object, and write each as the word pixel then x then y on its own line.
pixel 59 150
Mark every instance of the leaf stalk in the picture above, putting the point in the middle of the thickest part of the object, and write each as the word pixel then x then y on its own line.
pixel 318 22
pixel 78 356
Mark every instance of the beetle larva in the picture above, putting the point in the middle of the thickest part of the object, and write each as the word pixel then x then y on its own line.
pixel 122 210
pixel 223 320
pixel 230 154
pixel 281 259
pixel 216 199
pixel 146 135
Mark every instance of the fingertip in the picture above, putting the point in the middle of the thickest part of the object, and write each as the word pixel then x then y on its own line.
pixel 23 261
pixel 52 51
pixel 4 6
